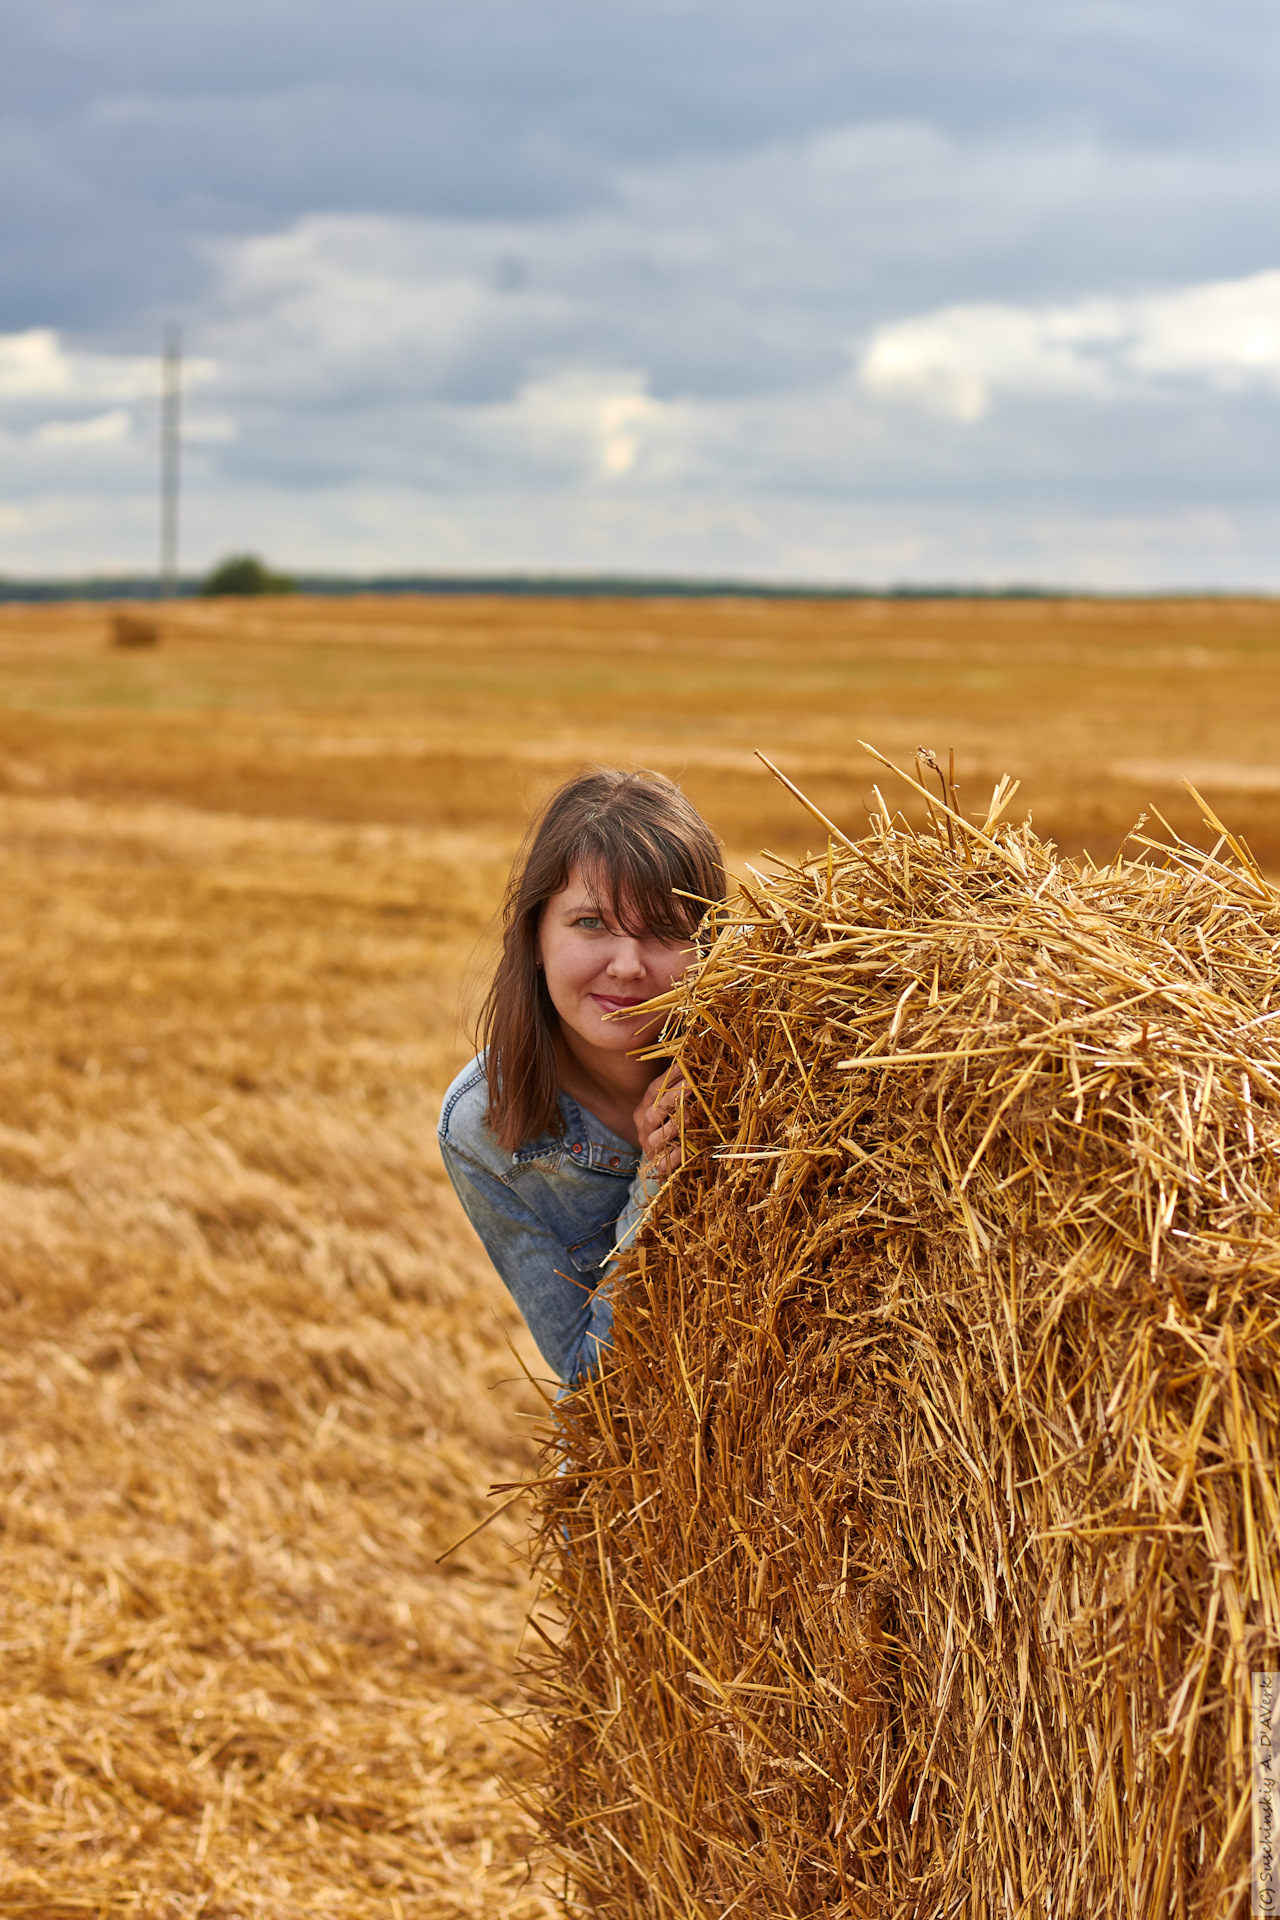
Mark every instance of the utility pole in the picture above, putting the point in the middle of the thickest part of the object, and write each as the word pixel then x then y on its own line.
pixel 170 451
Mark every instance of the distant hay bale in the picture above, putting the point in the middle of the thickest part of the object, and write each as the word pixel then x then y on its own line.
pixel 130 629
pixel 915 1551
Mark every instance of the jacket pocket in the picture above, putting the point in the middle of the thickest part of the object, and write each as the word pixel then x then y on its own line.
pixel 591 1252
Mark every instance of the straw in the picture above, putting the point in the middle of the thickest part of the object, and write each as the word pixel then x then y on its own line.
pixel 913 1555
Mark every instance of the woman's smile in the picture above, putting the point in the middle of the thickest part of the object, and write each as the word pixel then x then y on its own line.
pixel 597 971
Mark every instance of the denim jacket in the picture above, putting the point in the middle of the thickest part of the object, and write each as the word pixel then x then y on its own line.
pixel 551 1216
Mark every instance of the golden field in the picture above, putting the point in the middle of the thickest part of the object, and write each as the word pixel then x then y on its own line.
pixel 255 1374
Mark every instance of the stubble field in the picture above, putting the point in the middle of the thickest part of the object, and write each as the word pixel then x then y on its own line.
pixel 254 1374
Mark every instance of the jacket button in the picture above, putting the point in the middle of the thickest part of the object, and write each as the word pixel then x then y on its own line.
pixel 575 1149
pixel 613 1160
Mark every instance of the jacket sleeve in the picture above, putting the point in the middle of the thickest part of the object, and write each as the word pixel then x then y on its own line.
pixel 644 1189
pixel 569 1319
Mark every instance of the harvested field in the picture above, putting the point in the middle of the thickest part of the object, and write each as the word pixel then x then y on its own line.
pixel 253 1379
pixel 256 1375
pixel 457 711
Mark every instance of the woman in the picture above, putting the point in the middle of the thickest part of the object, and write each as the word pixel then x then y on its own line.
pixel 556 1136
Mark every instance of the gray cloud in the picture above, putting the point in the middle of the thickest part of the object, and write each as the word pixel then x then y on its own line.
pixel 137 128
pixel 630 281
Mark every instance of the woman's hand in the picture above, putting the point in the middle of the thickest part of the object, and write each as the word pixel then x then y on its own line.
pixel 658 1123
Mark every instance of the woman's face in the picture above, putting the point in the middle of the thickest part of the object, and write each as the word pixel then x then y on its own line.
pixel 593 968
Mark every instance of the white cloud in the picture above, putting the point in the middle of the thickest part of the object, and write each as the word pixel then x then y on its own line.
pixel 364 305
pixel 568 267
pixel 593 422
pixel 208 429
pixel 66 413
pixel 591 528
pixel 664 382
pixel 100 429
pixel 959 360
pixel 37 366
pixel 1227 333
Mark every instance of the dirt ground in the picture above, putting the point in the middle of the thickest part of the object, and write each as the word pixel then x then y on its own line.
pixel 254 1373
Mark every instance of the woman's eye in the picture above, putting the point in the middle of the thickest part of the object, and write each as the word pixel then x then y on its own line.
pixel 590 921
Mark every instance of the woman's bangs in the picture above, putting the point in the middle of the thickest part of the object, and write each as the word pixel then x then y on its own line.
pixel 635 883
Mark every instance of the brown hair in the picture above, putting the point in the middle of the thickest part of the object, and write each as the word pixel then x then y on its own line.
pixel 646 846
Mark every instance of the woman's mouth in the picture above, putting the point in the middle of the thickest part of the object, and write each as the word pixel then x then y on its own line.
pixel 610 1003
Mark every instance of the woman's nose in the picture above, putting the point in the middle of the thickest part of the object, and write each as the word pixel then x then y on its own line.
pixel 625 962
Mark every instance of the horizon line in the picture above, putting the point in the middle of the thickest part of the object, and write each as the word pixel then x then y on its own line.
pixel 548 584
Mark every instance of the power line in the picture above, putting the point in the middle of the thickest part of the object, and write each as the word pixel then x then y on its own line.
pixel 170 453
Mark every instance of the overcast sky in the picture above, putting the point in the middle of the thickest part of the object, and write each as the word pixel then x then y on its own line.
pixel 919 290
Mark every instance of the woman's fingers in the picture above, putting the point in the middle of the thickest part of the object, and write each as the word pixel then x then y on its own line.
pixel 658 1122
pixel 664 1116
pixel 665 1160
pixel 668 1098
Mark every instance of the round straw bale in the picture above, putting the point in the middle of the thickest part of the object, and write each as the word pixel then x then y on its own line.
pixel 132 629
pixel 916 1546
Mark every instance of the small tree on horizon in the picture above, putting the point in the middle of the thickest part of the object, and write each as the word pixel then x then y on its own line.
pixel 244 573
